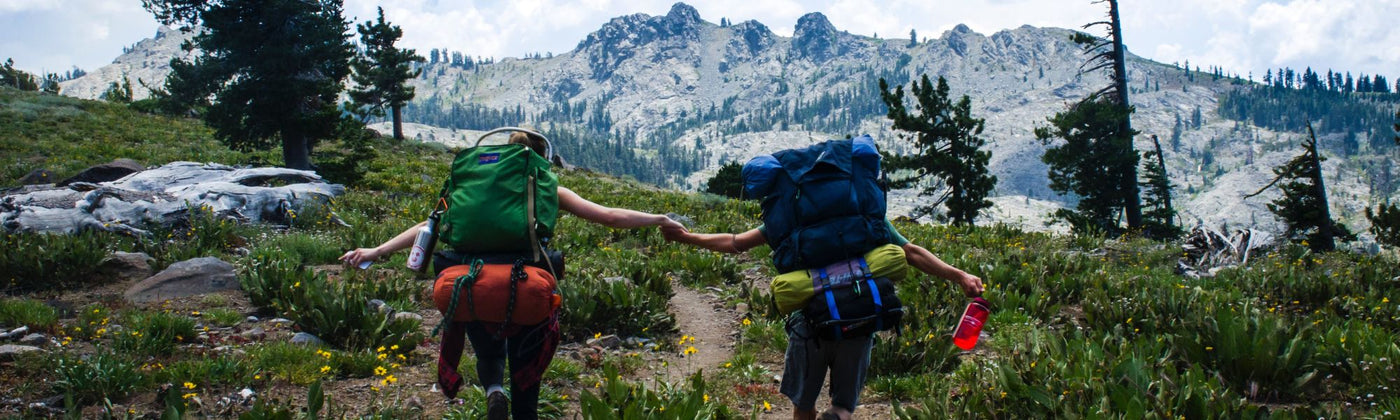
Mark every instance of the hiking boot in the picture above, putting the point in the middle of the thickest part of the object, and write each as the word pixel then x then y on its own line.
pixel 497 406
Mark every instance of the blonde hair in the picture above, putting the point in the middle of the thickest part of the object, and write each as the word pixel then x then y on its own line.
pixel 534 142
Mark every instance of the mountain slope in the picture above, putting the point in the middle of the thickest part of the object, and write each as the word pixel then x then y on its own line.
pixel 670 98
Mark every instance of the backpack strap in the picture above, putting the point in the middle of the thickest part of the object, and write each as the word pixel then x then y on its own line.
pixel 831 305
pixel 517 275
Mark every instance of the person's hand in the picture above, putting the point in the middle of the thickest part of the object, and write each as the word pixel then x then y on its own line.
pixel 971 285
pixel 669 224
pixel 674 233
pixel 355 257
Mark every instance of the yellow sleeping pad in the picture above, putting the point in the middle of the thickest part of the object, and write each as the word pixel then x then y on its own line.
pixel 792 289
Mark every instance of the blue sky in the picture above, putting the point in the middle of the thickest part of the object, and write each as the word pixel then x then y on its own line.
pixel 1241 35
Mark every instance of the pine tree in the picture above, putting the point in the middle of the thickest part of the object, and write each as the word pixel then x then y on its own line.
pixel 728 182
pixel 1091 163
pixel 118 92
pixel 947 147
pixel 381 72
pixel 1159 217
pixel 273 68
pixel 1385 224
pixel 913 38
pixel 1097 160
pixel 16 78
pixel 1303 206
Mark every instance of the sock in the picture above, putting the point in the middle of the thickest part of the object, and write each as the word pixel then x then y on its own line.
pixel 495 388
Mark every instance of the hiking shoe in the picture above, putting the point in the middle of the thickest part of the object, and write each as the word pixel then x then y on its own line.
pixel 497 406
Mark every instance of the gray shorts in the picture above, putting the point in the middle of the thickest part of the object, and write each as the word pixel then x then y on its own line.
pixel 808 359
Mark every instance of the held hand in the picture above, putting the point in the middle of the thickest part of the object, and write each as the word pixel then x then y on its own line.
pixel 358 256
pixel 674 233
pixel 671 225
pixel 971 285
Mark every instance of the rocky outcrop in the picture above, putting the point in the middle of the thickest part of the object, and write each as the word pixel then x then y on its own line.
pixel 162 196
pixel 815 38
pixel 194 277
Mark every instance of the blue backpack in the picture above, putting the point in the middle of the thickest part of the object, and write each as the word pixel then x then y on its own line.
pixel 821 204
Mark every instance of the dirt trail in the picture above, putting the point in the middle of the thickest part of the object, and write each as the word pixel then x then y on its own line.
pixel 715 328
pixel 711 329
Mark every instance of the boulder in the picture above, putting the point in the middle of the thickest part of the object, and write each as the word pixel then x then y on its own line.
pixel 609 341
pixel 35 339
pixel 9 352
pixel 124 266
pixel 36 177
pixel 106 172
pixel 408 316
pixel 306 339
pixel 185 278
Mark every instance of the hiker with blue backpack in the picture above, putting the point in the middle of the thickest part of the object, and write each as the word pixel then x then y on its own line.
pixel 496 283
pixel 824 219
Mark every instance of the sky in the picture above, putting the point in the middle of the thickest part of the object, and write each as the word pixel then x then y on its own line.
pixel 1243 36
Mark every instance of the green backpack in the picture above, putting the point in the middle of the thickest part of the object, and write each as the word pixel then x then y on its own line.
pixel 500 199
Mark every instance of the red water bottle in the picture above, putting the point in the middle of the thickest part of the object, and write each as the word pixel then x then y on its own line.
pixel 965 336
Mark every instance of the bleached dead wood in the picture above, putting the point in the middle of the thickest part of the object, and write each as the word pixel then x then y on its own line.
pixel 1206 250
pixel 162 196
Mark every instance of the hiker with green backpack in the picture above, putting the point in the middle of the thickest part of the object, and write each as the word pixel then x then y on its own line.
pixel 824 219
pixel 497 281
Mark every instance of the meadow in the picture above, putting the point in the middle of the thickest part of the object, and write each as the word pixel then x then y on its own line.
pixel 1082 327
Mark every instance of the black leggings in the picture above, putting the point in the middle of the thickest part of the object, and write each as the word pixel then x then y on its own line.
pixel 525 349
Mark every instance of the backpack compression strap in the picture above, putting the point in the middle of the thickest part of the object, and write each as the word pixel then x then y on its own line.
pixel 874 293
pixel 831 304
pixel 468 280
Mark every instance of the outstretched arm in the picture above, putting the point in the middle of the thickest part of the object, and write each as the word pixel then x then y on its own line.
pixel 733 243
pixel 925 261
pixel 403 240
pixel 609 216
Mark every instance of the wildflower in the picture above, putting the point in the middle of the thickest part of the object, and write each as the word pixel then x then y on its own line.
pixel 747 322
pixel 380 371
pixel 257 377
pixel 379 350
pixel 394 347
pixel 391 379
pixel 189 395
pixel 767 406
pixel 189 385
pixel 689 351
pixel 298 284
pixel 401 357
pixel 707 397
pixel 382 356
pixel 325 369
pixel 1209 348
pixel 1032 364
pixel 728 365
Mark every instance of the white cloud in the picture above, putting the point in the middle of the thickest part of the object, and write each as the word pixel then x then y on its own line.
pixel 1241 35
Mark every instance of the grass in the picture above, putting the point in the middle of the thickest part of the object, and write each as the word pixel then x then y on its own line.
pixel 34 314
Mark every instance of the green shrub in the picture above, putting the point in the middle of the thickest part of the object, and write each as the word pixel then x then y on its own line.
pixel 299 365
pixel 36 315
pixel 221 369
pixel 100 377
pixel 595 305
pixel 619 399
pixel 337 312
pixel 302 248
pixel 223 317
pixel 1262 356
pixel 37 261
pixel 153 333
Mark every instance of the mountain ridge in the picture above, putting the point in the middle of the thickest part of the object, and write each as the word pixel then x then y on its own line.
pixel 679 85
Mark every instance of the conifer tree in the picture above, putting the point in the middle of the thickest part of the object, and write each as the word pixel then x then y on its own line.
pixel 1097 161
pixel 1303 206
pixel 268 71
pixel 947 147
pixel 16 78
pixel 728 182
pixel 1159 217
pixel 381 72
